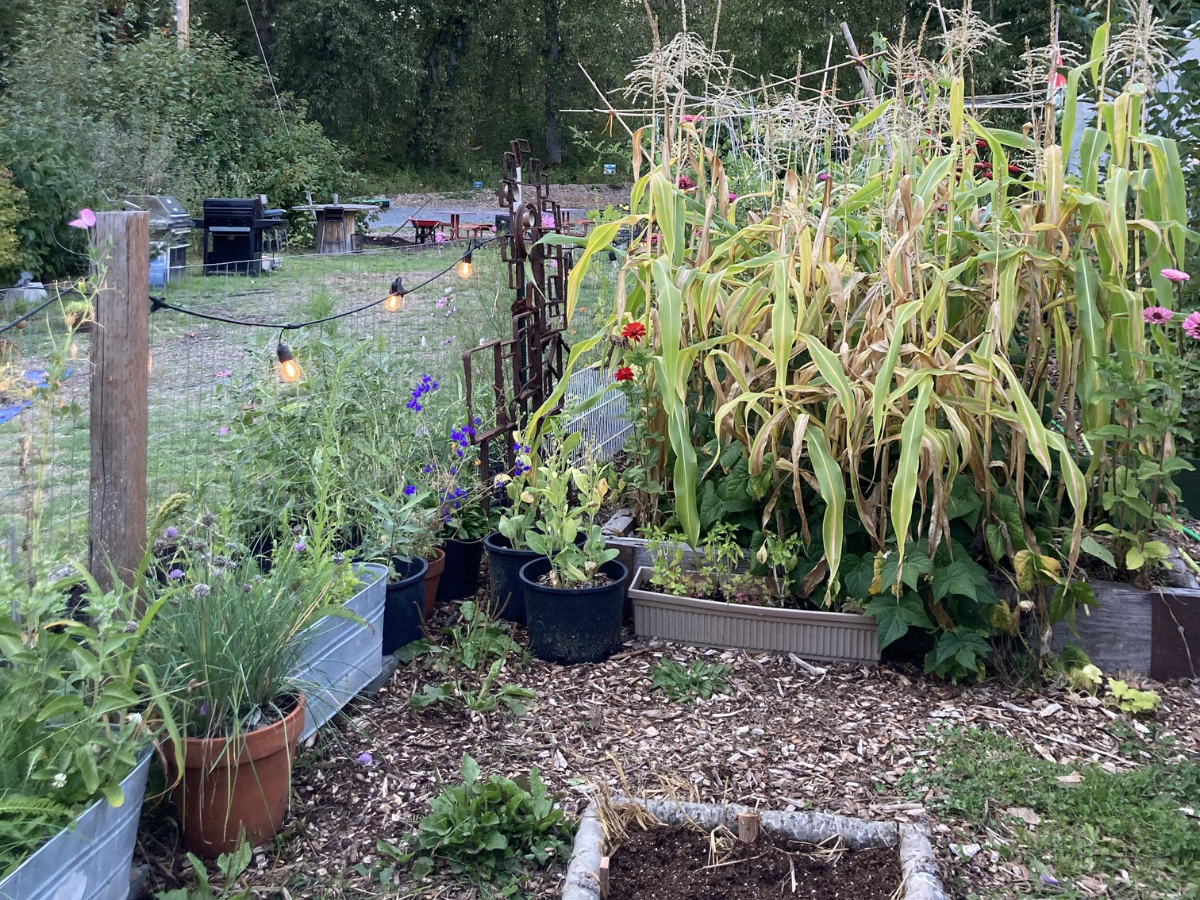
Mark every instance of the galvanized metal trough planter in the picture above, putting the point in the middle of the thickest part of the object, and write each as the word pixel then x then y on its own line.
pixel 920 872
pixel 837 637
pixel 91 860
pixel 342 656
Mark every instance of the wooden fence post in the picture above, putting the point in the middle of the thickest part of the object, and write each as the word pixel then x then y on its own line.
pixel 120 354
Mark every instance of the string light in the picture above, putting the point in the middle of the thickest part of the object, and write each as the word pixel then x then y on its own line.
pixel 464 267
pixel 395 300
pixel 289 369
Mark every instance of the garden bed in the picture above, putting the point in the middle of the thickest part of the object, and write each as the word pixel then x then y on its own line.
pixel 667 850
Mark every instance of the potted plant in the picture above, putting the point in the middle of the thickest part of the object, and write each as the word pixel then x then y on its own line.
pixel 403 535
pixel 709 598
pixel 76 725
pixel 226 645
pixel 574 591
pixel 463 517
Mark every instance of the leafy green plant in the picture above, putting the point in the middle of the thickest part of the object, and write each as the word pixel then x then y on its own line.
pixel 491 828
pixel 480 640
pixel 230 865
pixel 700 679
pixel 1131 700
pixel 561 519
pixel 78 706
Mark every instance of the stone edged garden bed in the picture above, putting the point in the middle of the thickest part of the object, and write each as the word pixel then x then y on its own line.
pixel 838 637
pixel 921 879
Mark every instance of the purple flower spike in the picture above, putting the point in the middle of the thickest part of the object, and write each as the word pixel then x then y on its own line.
pixel 365 758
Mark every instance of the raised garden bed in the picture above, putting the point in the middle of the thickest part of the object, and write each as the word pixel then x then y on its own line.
pixel 668 854
pixel 839 637
pixel 91 859
pixel 342 656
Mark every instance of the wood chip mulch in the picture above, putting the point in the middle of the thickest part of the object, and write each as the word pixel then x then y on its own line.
pixel 790 735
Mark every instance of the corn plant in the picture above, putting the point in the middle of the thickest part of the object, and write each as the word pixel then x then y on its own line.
pixel 939 301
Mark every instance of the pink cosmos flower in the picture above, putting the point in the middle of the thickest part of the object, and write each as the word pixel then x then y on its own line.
pixel 1191 325
pixel 86 219
pixel 440 237
pixel 732 196
pixel 1169 274
pixel 224 429
pixel 222 373
pixel 547 220
pixel 1157 315
pixel 824 176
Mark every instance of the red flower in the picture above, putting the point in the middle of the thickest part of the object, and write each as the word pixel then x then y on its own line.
pixel 634 331
pixel 686 183
pixel 1015 170
pixel 623 374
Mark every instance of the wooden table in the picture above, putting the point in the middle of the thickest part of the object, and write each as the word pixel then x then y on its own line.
pixel 336 224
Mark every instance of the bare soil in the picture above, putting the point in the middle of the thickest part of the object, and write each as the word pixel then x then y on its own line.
pixel 676 863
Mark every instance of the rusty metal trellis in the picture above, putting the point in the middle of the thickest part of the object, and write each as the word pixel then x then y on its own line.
pixel 525 368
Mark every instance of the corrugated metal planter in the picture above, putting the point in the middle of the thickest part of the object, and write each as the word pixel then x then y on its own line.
pixel 90 861
pixel 838 637
pixel 341 656
pixel 921 879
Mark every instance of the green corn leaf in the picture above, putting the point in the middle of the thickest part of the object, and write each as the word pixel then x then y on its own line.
pixel 904 486
pixel 833 492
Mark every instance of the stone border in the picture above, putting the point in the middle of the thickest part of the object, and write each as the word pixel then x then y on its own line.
pixel 921 879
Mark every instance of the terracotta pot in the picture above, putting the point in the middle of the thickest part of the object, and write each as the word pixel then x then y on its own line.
pixel 433 577
pixel 219 796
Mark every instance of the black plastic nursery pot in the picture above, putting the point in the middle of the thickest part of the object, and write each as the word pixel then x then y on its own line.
pixel 504 575
pixel 404 607
pixel 461 577
pixel 573 626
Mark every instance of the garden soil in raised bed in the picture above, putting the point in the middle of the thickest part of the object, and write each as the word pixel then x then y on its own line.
pixel 672 862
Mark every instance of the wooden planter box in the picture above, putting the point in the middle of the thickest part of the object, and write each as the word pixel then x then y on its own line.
pixel 1155 633
pixel 837 637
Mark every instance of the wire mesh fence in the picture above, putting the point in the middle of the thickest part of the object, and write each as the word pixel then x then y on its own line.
pixel 202 370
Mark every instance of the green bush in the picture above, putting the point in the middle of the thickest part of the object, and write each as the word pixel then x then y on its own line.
pixel 12 211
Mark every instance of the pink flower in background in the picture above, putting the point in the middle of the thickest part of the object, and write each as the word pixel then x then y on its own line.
pixel 696 120
pixel 547 220
pixel 222 373
pixel 86 219
pixel 1191 325
pixel 493 229
pixel 824 176
pixel 224 429
pixel 1169 274
pixel 732 196
pixel 686 183
pixel 440 237
pixel 1157 315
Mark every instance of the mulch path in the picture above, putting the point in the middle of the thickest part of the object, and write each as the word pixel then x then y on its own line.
pixel 790 735
pixel 677 863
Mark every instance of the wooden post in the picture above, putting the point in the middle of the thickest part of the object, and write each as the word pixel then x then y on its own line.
pixel 120 359
pixel 865 77
pixel 748 827
pixel 603 876
pixel 183 15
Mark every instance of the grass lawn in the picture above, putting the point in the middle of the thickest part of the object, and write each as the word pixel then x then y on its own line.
pixel 1072 827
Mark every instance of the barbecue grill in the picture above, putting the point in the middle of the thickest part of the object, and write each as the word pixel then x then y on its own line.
pixel 235 232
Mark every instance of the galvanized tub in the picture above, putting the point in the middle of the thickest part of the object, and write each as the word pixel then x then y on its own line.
pixel 90 861
pixel 341 656
pixel 838 637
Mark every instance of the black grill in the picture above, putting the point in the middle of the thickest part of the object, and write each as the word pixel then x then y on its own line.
pixel 235 232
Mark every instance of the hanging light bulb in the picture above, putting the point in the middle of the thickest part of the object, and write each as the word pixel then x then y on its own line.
pixel 289 369
pixel 395 300
pixel 464 267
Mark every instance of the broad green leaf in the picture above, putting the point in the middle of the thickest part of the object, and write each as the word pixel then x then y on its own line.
pixel 904 486
pixel 833 492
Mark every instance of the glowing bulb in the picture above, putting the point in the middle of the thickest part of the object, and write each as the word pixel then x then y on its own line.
pixel 464 269
pixel 393 302
pixel 289 369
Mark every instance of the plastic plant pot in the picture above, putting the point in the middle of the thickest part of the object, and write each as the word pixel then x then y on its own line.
pixel 573 625
pixel 504 575
pixel 461 578
pixel 404 608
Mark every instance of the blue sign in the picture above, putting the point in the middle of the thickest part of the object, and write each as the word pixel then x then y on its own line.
pixel 610 168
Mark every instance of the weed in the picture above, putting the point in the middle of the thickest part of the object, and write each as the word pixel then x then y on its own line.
pixel 700 679
pixel 231 866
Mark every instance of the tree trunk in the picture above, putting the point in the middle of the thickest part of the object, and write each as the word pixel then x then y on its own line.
pixel 553 78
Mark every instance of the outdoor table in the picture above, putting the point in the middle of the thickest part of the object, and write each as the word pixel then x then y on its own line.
pixel 336 222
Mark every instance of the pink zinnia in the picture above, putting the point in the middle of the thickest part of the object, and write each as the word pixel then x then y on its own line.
pixel 1157 315
pixel 732 196
pixel 824 176
pixel 1191 325
pixel 686 183
pixel 86 219
pixel 1175 275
